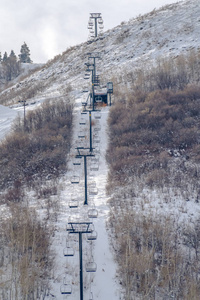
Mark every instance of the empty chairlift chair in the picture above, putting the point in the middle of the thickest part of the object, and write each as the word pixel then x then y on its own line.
pixel 66 289
pixel 97 115
pixel 92 213
pixel 75 180
pixel 92 184
pixel 97 127
pixel 92 236
pixel 73 203
pixel 68 251
pixel 81 134
pixel 93 191
pixel 91 266
pixel 96 140
pixel 82 121
pixel 77 161
pixel 94 167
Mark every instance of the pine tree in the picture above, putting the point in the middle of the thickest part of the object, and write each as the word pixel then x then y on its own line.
pixel 5 57
pixel 24 55
pixel 12 55
pixel 11 66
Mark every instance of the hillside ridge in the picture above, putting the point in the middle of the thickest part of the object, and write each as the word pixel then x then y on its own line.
pixel 168 31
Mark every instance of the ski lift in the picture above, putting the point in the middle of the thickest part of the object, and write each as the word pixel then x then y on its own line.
pixel 95 159
pixel 81 134
pixel 96 140
pixel 87 76
pixel 92 213
pixel 97 127
pixel 92 184
pixel 82 121
pixel 68 251
pixel 94 167
pixel 66 289
pixel 92 236
pixel 75 180
pixel 77 162
pixel 73 204
pixel 93 191
pixel 97 115
pixel 91 266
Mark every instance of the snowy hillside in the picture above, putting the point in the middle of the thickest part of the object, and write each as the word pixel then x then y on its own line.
pixel 171 30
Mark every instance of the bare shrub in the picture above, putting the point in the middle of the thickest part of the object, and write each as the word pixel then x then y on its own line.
pixel 150 257
pixel 142 128
pixel 41 149
pixel 28 260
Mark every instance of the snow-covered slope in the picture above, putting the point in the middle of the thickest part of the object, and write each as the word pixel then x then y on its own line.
pixel 7 116
pixel 171 30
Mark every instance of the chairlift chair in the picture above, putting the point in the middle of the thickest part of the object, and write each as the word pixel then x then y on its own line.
pixel 92 184
pixel 91 266
pixel 97 115
pixel 68 251
pixel 94 167
pixel 82 121
pixel 97 127
pixel 93 191
pixel 81 134
pixel 92 236
pixel 96 140
pixel 95 159
pixel 66 289
pixel 73 204
pixel 75 180
pixel 92 213
pixel 77 161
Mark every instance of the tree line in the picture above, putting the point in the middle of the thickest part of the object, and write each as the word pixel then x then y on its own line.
pixel 10 65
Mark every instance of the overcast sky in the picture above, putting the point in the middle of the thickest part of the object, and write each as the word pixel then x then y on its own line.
pixel 49 27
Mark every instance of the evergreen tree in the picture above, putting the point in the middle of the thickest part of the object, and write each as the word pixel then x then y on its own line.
pixel 12 55
pixel 5 57
pixel 24 55
pixel 0 58
pixel 11 66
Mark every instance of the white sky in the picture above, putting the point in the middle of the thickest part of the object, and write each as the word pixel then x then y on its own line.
pixel 50 27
